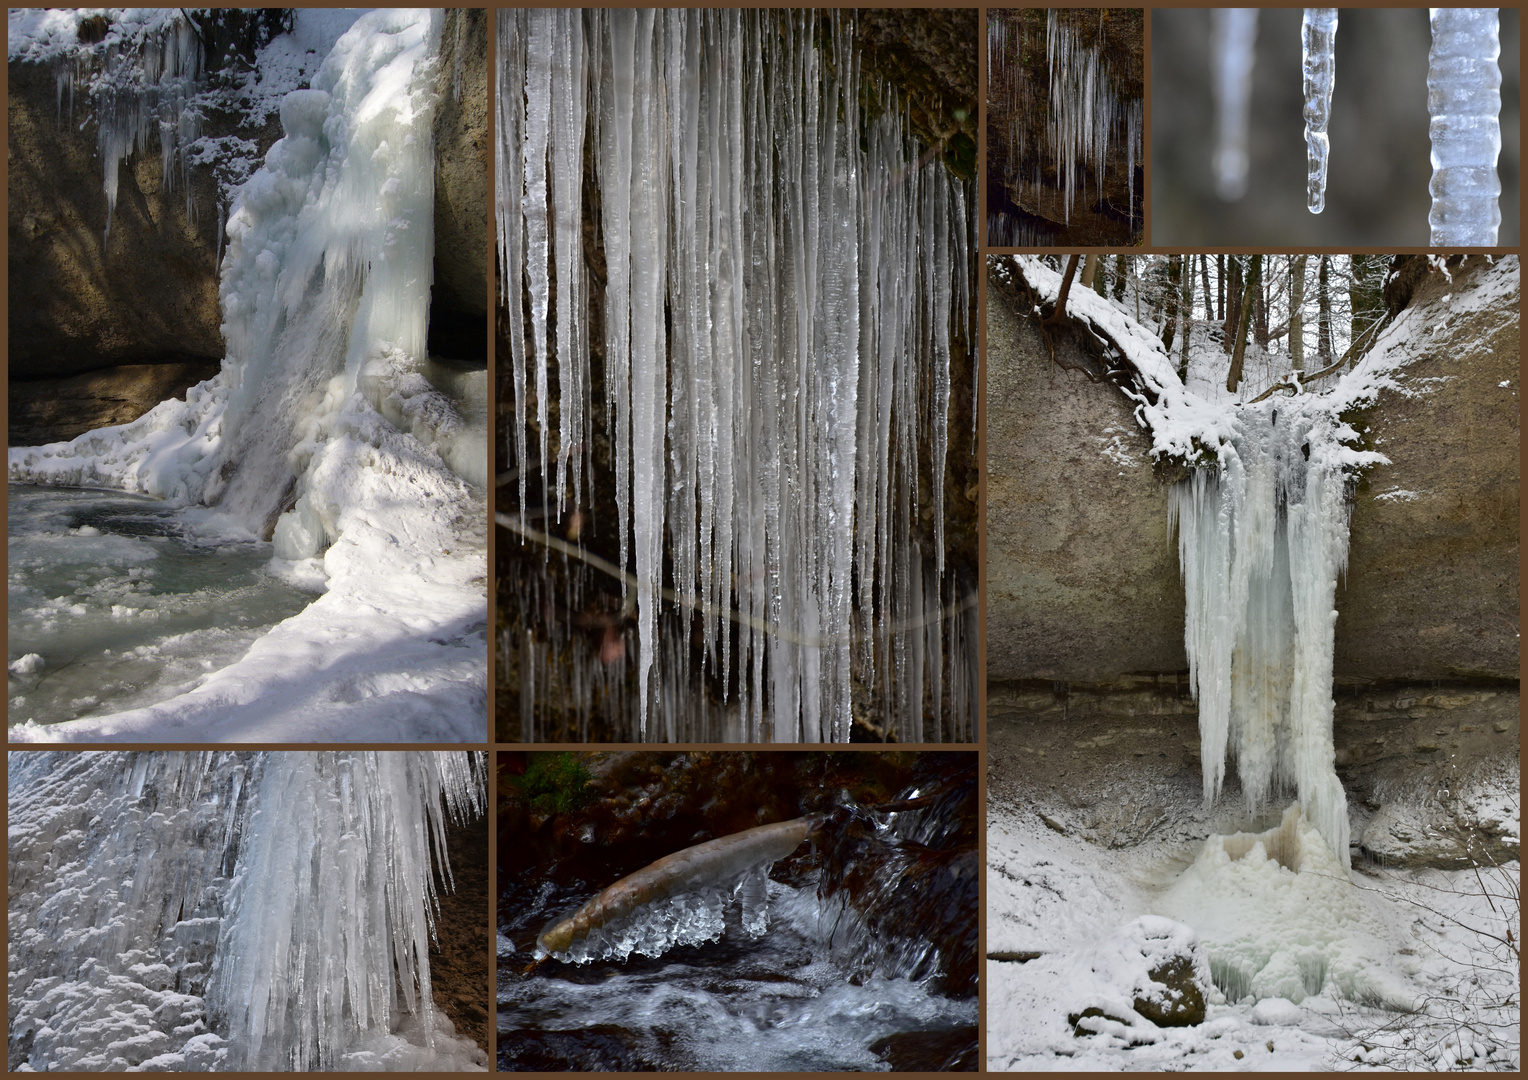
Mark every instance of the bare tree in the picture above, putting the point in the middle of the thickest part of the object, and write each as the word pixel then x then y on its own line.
pixel 1296 316
pixel 1324 313
pixel 1249 293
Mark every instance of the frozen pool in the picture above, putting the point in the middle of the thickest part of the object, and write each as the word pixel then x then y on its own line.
pixel 119 601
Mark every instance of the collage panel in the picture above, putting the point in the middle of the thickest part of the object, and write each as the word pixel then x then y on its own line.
pixel 722 911
pixel 1066 115
pixel 1253 713
pixel 1369 127
pixel 248 388
pixel 737 470
pixel 248 910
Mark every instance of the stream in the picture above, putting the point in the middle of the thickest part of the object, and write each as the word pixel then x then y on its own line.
pixel 839 980
pixel 119 601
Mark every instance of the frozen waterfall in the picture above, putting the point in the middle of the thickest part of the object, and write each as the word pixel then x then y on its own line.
pixel 785 279
pixel 229 910
pixel 1262 540
pixel 322 431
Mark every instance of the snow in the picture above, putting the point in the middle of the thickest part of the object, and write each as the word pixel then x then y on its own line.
pixel 808 254
pixel 226 910
pixel 338 221
pixel 1083 904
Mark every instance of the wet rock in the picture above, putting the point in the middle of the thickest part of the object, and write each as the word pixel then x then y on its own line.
pixel 459 295
pixel 929 1051
pixel 600 1047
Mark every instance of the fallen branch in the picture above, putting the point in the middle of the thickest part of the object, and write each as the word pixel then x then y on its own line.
pixel 713 862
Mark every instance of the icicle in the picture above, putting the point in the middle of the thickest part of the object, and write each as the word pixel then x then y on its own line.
pixel 779 325
pixel 1318 65
pixel 1464 102
pixel 1234 31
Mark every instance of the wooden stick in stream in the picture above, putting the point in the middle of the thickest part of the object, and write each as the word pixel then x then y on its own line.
pixel 714 861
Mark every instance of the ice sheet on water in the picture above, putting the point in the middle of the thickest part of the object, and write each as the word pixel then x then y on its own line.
pixel 148 885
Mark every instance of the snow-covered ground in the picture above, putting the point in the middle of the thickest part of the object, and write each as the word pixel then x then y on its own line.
pixel 1071 901
pixel 323 432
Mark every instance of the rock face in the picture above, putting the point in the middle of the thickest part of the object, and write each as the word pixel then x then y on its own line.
pixel 1432 584
pixel 459 298
pixel 1082 579
pixel 79 301
pixel 82 304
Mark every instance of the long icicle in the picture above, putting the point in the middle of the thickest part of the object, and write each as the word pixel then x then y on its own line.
pixel 1318 66
pixel 1464 103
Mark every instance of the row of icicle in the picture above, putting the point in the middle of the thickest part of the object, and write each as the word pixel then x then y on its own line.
pixel 1463 102
pixel 785 274
pixel 1085 114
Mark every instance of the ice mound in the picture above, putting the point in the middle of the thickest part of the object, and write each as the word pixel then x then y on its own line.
pixel 1280 918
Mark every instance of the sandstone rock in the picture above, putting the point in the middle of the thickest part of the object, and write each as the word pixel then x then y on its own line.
pixel 1432 583
pixel 1082 579
pixel 459 296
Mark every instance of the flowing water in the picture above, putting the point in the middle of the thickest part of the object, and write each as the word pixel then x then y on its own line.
pixel 117 601
pixel 837 979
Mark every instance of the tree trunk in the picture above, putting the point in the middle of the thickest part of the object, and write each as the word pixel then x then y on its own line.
pixel 1231 282
pixel 1244 320
pixel 1260 316
pixel 1089 269
pixel 1220 287
pixel 1120 275
pixel 1170 301
pixel 1296 318
pixel 1324 315
pixel 1059 315
pixel 1204 278
pixel 1186 308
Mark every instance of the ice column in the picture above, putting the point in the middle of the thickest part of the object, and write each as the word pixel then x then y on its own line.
pixel 1262 541
pixel 1318 65
pixel 1234 32
pixel 1464 101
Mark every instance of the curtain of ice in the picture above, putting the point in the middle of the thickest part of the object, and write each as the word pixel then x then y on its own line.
pixel 1464 102
pixel 1262 540
pixel 779 300
pixel 230 909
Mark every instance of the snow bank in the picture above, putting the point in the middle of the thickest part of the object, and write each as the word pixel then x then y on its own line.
pixel 328 269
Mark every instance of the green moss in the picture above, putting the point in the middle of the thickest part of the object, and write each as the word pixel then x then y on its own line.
pixel 554 783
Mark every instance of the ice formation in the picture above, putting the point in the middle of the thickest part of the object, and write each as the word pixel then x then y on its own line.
pixel 1280 919
pixel 1464 101
pixel 229 910
pixel 1235 31
pixel 1085 112
pixel 1318 67
pixel 784 275
pixel 1262 539
pixel 320 430
pixel 693 917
